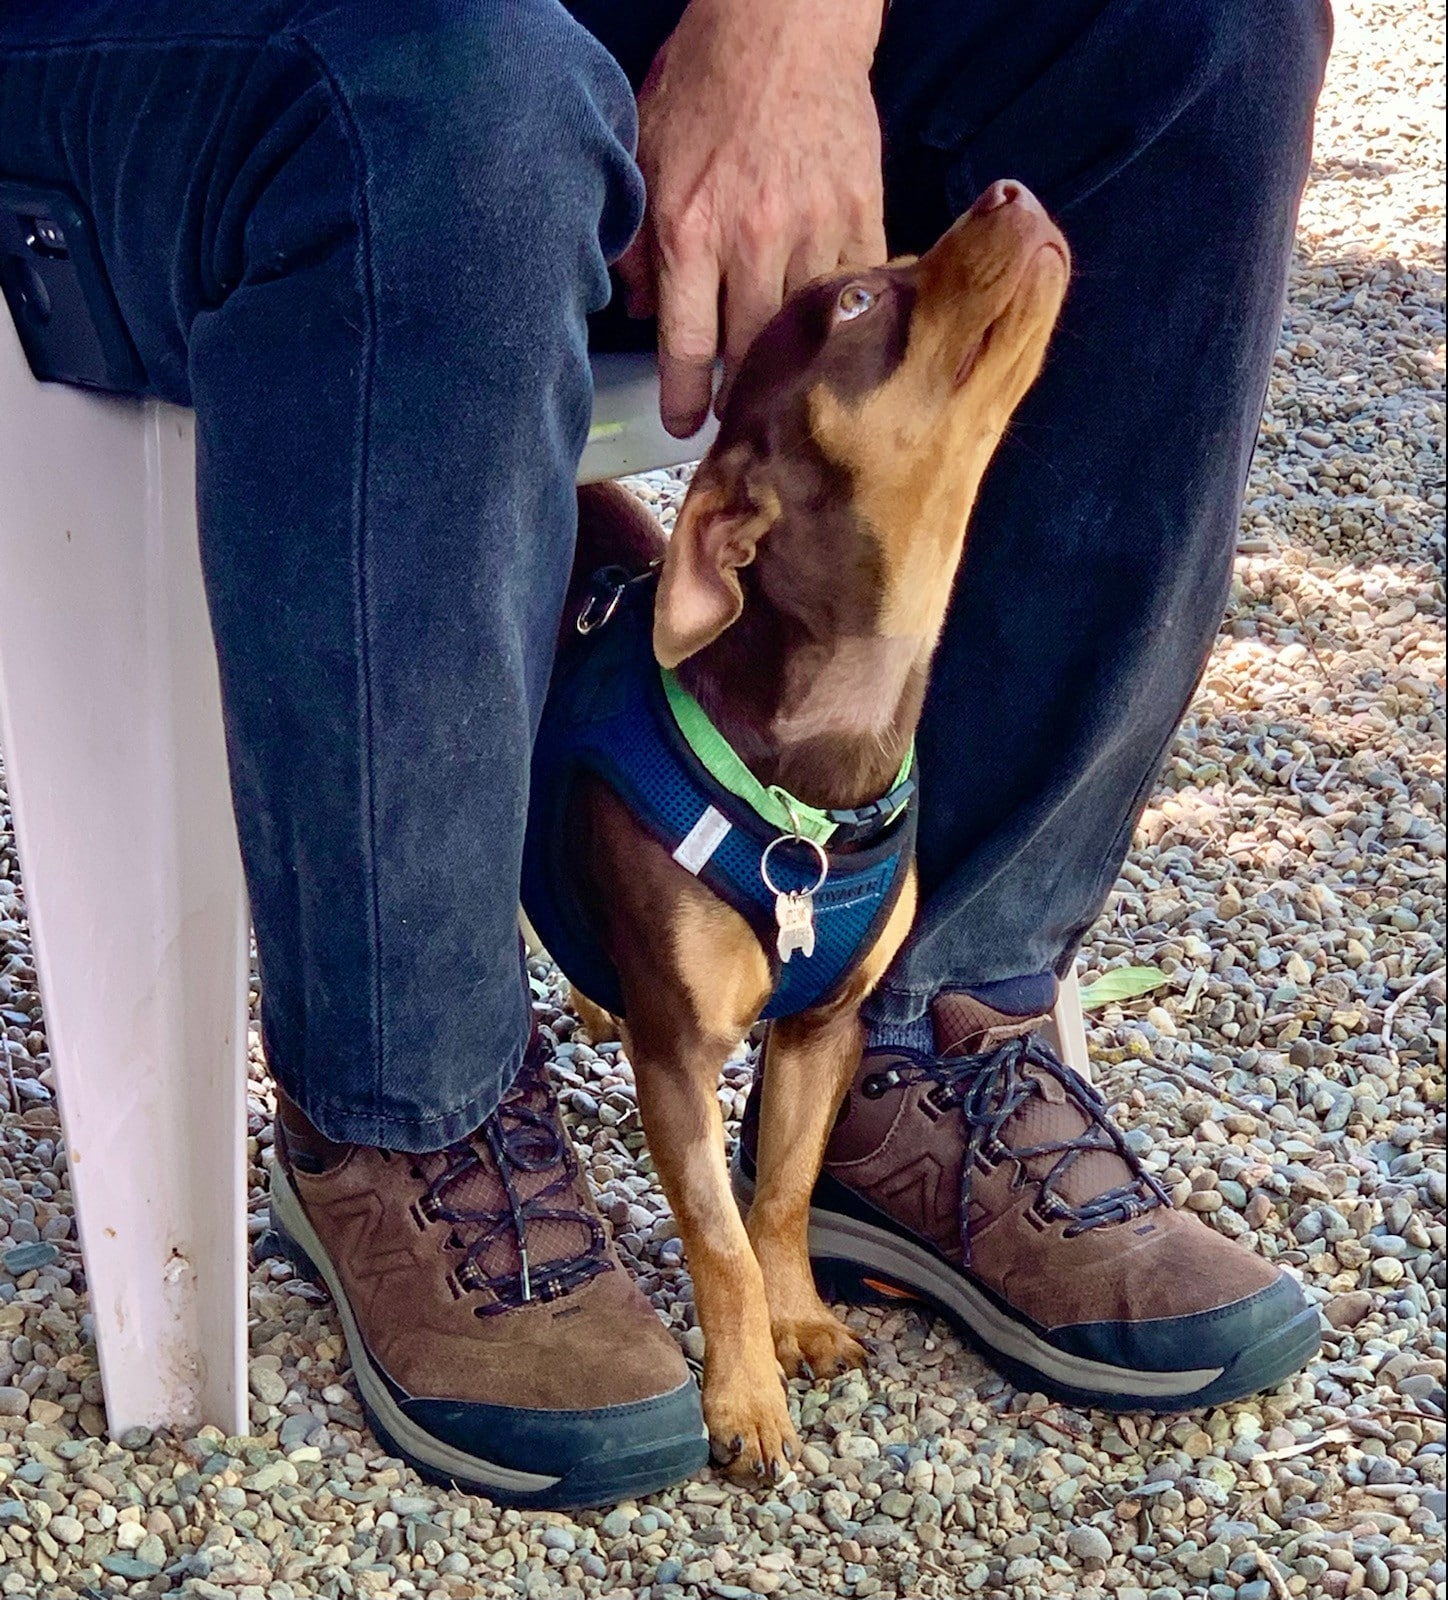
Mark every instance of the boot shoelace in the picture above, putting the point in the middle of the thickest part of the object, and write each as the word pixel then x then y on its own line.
pixel 519 1139
pixel 989 1089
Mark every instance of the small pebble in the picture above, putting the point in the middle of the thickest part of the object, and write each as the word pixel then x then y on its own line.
pixel 1090 1544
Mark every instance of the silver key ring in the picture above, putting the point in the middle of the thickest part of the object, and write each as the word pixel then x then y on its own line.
pixel 793 838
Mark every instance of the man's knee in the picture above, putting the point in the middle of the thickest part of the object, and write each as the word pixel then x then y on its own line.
pixel 1272 53
pixel 501 115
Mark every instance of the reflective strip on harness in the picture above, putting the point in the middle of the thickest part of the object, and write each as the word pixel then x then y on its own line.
pixel 702 840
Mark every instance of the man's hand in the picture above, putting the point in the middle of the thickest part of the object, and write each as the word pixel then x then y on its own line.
pixel 760 146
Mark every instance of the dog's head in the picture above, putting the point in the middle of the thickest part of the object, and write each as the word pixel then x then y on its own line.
pixel 857 431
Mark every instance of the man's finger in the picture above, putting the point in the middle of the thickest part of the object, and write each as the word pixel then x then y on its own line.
pixel 752 295
pixel 813 258
pixel 688 304
pixel 865 244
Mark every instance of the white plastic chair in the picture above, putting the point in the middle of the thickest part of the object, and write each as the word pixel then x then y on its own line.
pixel 111 728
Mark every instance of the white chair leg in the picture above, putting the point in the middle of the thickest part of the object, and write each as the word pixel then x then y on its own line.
pixel 110 725
pixel 1071 1027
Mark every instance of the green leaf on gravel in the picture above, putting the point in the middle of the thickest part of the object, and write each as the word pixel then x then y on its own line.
pixel 1125 983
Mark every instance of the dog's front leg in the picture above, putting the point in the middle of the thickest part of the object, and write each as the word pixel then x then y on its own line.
pixel 744 1402
pixel 694 977
pixel 808 1064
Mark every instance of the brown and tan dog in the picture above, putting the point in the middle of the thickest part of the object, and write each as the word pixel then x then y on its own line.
pixel 800 599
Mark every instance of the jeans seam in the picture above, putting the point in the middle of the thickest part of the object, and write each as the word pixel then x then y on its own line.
pixel 362 597
pixel 169 41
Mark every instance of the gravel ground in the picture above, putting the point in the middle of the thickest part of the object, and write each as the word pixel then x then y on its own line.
pixel 1286 1084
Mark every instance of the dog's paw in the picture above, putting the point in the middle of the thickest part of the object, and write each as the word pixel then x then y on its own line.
pixel 817 1347
pixel 750 1433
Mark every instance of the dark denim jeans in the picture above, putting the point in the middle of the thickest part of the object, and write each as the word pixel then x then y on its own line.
pixel 363 238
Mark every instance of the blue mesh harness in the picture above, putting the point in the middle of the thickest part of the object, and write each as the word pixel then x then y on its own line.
pixel 607 714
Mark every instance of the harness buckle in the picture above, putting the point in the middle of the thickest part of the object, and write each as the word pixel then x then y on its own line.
pixel 863 822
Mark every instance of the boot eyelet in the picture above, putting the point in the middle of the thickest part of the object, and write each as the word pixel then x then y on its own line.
pixel 879 1083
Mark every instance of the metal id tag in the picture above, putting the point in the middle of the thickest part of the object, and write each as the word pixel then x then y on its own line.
pixel 795 916
pixel 794 908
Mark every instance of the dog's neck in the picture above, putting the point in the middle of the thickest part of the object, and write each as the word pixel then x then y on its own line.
pixel 829 717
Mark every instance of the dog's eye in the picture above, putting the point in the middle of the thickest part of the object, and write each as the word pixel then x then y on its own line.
pixel 855 299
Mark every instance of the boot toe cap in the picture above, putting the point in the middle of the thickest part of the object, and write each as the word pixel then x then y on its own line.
pixel 1205 1357
pixel 562 1458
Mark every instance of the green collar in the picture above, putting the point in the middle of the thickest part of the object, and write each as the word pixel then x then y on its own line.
pixel 775 805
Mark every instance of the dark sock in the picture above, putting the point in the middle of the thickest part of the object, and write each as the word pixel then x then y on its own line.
pixel 1016 997
pixel 918 1035
pixel 1031 996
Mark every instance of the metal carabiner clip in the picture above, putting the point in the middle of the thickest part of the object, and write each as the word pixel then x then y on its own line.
pixel 605 590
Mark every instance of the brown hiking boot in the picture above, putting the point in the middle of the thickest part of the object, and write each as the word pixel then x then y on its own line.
pixel 497 1342
pixel 989 1181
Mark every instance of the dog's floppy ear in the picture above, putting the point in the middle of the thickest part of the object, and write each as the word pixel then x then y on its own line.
pixel 717 533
